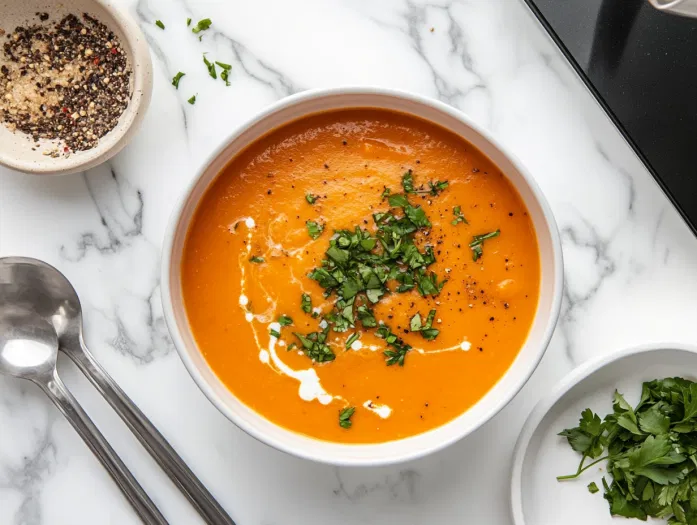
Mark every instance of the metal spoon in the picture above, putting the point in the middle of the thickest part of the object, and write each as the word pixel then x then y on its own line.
pixel 28 350
pixel 43 289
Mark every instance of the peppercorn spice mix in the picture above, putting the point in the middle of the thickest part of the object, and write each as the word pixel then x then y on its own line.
pixel 67 81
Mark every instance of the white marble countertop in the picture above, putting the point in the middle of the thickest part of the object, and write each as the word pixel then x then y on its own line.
pixel 631 263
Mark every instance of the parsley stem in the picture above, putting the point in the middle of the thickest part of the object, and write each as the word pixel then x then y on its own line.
pixel 581 470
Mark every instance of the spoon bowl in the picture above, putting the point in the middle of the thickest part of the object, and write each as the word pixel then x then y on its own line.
pixel 28 344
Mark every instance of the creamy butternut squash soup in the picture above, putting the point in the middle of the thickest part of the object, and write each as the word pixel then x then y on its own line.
pixel 360 276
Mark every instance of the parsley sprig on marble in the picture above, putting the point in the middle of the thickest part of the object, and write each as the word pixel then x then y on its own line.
pixel 360 268
pixel 651 452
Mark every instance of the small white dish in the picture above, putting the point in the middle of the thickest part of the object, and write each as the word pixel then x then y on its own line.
pixel 537 498
pixel 316 101
pixel 16 148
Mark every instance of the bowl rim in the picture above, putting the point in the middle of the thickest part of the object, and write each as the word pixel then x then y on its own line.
pixel 307 453
pixel 141 64
pixel 560 389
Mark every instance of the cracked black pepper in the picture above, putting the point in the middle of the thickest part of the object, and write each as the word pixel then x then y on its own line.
pixel 66 81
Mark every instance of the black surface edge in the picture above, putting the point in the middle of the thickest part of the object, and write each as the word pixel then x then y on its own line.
pixel 560 44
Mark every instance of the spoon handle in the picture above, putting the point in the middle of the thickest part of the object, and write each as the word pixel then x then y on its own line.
pixel 68 405
pixel 154 442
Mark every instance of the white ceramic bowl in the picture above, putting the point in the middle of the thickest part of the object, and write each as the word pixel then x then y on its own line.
pixel 296 107
pixel 16 148
pixel 537 498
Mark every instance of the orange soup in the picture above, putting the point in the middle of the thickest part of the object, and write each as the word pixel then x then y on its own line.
pixel 360 276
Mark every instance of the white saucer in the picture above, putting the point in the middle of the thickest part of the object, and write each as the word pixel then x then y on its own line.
pixel 537 498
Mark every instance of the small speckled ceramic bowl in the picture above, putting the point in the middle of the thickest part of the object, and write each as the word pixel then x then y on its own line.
pixel 16 148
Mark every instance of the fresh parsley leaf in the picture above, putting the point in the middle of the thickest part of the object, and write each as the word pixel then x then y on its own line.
pixel 592 487
pixel 202 25
pixel 159 24
pixel 291 347
pixel 274 333
pixel 306 303
pixel 314 229
pixel 177 78
pixel 408 182
pixel 224 66
pixel 355 336
pixel 211 67
pixel 345 417
pixel 188 22
pixel 459 217
pixel 284 320
pixel 398 200
pixel 256 259
pixel 478 241
pixel 385 193
pixel 310 198
pixel 192 100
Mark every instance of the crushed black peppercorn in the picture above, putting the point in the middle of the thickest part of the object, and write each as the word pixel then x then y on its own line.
pixel 67 81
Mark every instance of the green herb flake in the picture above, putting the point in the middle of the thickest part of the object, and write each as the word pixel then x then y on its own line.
pixel 314 229
pixel 177 78
pixel 592 487
pixel 345 417
pixel 202 25
pixel 355 336
pixel 478 242
pixel 211 67
pixel 310 198
pixel 274 333
pixel 284 320
pixel 291 347
pixel 188 22
pixel 192 100
pixel 306 303
pixel 256 259
pixel 459 217
pixel 159 24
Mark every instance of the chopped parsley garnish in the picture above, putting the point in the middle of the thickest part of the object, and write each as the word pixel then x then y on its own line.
pixel 274 333
pixel 284 320
pixel 314 229
pixel 202 25
pixel 159 24
pixel 355 336
pixel 360 268
pixel 211 67
pixel 314 345
pixel 291 346
pixel 434 188
pixel 256 259
pixel 225 73
pixel 306 303
pixel 650 449
pixel 311 199
pixel 457 212
pixel 385 193
pixel 345 417
pixel 416 325
pixel 192 100
pixel 478 241
pixel 177 78
pixel 188 22
pixel 398 348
